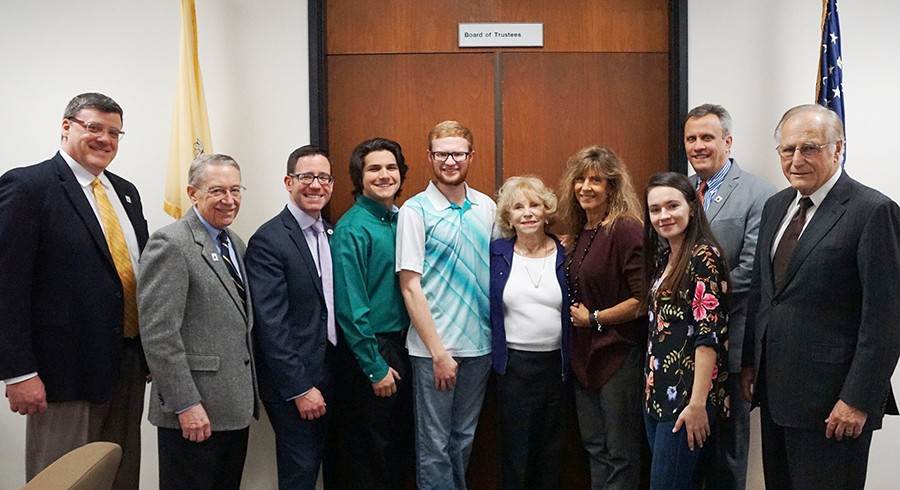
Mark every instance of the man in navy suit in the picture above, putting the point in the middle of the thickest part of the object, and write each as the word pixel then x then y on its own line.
pixel 823 323
pixel 289 269
pixel 71 233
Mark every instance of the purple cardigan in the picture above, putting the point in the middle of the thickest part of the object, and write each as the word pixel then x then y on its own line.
pixel 501 263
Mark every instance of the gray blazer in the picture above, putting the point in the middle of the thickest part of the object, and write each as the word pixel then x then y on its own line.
pixel 195 329
pixel 734 216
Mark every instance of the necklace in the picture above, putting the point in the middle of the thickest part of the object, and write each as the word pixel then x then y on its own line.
pixel 572 273
pixel 540 278
pixel 546 252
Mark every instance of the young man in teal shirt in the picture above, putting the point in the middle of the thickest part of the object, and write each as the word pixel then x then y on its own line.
pixel 374 379
pixel 443 240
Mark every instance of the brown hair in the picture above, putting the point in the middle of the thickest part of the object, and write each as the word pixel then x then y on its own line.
pixel 697 231
pixel 622 202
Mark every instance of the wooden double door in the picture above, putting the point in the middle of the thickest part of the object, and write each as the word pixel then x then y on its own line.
pixel 392 68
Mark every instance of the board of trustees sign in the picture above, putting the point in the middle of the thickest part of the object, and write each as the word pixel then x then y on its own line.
pixel 500 35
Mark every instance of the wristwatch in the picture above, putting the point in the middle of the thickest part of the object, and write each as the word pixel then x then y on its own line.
pixel 595 321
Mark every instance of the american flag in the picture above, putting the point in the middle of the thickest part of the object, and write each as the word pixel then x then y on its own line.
pixel 830 86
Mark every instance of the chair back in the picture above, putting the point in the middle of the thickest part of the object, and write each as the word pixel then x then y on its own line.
pixel 89 467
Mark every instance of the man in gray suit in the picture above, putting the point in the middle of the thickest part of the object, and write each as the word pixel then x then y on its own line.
pixel 733 200
pixel 196 319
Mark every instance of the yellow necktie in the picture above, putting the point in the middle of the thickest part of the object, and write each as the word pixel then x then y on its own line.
pixel 115 240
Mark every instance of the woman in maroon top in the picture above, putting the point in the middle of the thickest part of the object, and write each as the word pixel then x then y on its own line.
pixel 604 269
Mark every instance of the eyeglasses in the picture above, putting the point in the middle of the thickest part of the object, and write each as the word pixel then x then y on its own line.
pixel 808 150
pixel 221 192
pixel 97 128
pixel 307 179
pixel 457 156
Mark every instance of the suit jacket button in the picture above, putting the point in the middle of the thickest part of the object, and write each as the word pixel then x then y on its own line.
pixel 325 316
pixel 246 362
pixel 774 302
pixel 118 295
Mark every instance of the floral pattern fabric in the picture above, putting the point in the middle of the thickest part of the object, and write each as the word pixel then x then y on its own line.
pixel 680 321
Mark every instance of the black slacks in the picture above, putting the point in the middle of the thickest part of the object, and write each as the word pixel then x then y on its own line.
pixel 375 434
pixel 797 459
pixel 531 399
pixel 723 464
pixel 215 464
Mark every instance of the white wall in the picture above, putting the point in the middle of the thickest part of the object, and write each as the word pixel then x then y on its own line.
pixel 254 62
pixel 760 58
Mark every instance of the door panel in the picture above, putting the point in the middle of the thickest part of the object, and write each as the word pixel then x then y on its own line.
pixel 430 26
pixel 401 98
pixel 556 103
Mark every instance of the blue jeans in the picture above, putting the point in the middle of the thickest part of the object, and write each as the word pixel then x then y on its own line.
pixel 446 421
pixel 673 464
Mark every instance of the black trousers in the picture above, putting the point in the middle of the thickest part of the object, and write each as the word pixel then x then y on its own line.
pixel 215 464
pixel 301 446
pixel 531 399
pixel 797 459
pixel 374 434
pixel 723 464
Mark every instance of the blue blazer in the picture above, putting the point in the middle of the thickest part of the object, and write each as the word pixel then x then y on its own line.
pixel 60 294
pixel 501 263
pixel 290 317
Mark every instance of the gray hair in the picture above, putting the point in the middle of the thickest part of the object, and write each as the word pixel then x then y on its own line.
pixel 834 128
pixel 92 100
pixel 716 110
pixel 198 166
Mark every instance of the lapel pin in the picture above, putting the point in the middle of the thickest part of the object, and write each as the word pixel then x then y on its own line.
pixel 329 232
pixel 718 199
pixel 214 256
pixel 127 198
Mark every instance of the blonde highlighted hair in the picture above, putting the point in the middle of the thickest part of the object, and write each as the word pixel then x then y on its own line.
pixel 622 202
pixel 515 187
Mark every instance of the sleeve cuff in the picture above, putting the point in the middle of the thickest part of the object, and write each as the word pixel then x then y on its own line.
pixel 19 379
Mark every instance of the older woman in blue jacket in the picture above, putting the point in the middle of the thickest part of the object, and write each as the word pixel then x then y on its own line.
pixel 530 334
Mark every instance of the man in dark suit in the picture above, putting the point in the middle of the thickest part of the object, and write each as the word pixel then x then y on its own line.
pixel 823 325
pixel 733 200
pixel 289 268
pixel 196 321
pixel 71 233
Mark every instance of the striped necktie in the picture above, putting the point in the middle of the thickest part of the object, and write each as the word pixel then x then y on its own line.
pixel 225 251
pixel 115 240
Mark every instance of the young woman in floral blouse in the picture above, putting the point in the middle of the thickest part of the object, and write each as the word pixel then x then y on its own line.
pixel 686 365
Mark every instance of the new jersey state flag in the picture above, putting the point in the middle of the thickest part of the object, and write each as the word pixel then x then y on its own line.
pixel 190 124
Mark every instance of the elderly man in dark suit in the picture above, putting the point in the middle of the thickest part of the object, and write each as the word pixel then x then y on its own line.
pixel 823 330
pixel 71 233
pixel 733 200
pixel 289 267
pixel 196 315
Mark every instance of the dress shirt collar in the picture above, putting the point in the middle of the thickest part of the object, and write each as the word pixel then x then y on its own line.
pixel 714 182
pixel 212 230
pixel 304 220
pixel 82 175
pixel 819 195
pixel 376 208
pixel 440 201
